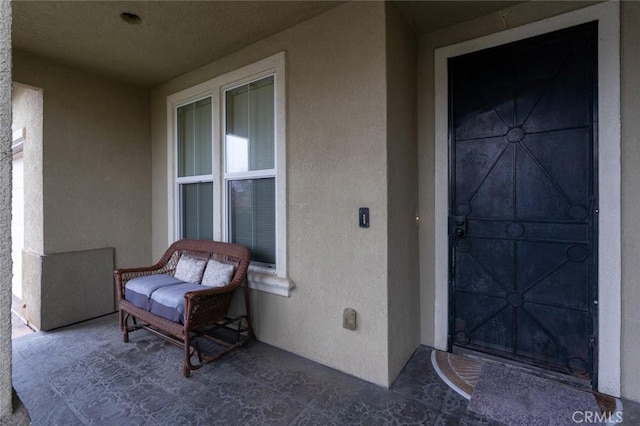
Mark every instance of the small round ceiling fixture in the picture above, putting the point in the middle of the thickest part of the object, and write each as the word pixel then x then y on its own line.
pixel 131 18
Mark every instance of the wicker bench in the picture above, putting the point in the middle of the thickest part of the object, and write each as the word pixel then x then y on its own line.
pixel 186 296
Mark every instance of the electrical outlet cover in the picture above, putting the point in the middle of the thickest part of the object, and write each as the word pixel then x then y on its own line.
pixel 349 319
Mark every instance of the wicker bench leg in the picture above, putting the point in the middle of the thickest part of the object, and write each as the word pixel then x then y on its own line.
pixel 125 327
pixel 189 351
pixel 124 321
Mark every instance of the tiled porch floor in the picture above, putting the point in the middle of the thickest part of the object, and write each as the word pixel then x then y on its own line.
pixel 86 375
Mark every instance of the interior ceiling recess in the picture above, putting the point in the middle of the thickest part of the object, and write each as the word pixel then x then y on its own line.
pixel 176 37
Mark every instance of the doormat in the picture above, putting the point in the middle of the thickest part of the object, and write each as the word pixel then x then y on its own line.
pixel 460 373
pixel 516 398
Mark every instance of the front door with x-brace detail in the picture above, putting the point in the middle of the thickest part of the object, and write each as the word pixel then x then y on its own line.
pixel 522 226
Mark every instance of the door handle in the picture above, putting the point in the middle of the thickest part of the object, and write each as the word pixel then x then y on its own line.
pixel 458 226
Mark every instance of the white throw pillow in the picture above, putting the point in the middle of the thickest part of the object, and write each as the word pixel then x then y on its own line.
pixel 189 268
pixel 217 274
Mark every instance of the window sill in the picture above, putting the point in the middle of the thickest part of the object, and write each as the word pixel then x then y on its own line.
pixel 270 283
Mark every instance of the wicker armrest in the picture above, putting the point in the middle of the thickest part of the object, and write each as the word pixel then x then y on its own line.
pixel 166 265
pixel 207 305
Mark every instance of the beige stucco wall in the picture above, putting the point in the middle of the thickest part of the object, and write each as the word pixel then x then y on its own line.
pixel 17 223
pixel 630 45
pixel 403 291
pixel 96 170
pixel 26 105
pixel 88 184
pixel 27 114
pixel 336 163
pixel 5 210
pixel 76 286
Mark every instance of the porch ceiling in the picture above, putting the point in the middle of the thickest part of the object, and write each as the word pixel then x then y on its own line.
pixel 433 15
pixel 176 37
pixel 173 38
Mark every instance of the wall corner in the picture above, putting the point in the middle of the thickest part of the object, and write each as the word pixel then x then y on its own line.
pixel 6 390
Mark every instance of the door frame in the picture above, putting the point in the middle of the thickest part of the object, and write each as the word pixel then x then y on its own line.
pixel 607 14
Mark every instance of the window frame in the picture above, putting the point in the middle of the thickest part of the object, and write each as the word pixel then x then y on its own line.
pixel 229 177
pixel 272 280
pixel 186 180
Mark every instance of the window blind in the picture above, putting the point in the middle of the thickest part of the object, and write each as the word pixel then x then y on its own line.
pixel 250 121
pixel 253 217
pixel 195 139
pixel 197 210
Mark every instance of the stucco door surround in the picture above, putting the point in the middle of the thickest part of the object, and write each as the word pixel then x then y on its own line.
pixel 609 177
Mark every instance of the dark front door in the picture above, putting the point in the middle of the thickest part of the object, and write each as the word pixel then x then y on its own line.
pixel 523 203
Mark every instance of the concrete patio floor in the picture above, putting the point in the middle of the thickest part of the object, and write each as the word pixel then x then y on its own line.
pixel 85 375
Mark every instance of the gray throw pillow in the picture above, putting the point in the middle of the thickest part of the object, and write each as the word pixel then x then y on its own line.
pixel 190 268
pixel 217 274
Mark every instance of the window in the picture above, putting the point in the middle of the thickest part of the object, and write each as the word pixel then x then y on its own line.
pixel 195 176
pixel 250 173
pixel 226 166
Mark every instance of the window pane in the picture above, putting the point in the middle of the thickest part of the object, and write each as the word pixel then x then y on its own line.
pixel 250 126
pixel 253 217
pixel 194 139
pixel 197 210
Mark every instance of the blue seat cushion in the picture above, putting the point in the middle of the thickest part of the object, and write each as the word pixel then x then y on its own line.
pixel 139 290
pixel 168 302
